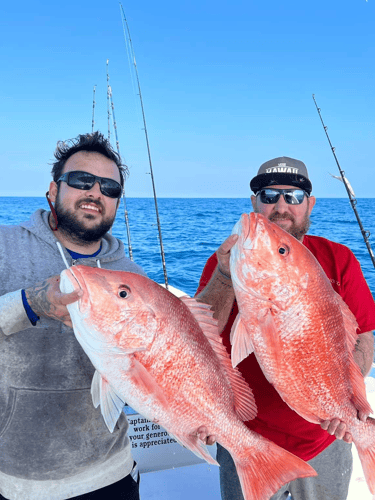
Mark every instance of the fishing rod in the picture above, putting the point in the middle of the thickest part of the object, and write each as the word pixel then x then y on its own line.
pixel 353 201
pixel 109 95
pixel 108 107
pixel 93 109
pixel 128 40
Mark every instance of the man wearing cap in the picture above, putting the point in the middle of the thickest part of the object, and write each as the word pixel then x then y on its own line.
pixel 282 192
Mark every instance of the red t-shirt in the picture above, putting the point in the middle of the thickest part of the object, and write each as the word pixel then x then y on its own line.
pixel 275 420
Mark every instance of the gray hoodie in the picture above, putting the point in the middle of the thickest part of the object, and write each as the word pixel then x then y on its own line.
pixel 53 443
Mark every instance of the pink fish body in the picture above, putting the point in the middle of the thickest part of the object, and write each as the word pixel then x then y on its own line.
pixel 149 349
pixel 300 330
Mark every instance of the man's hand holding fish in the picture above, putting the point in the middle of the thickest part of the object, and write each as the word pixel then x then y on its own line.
pixel 46 299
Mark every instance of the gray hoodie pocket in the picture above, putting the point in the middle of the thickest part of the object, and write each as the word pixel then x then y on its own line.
pixel 49 434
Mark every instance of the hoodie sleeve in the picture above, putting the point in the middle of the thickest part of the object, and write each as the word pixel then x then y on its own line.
pixel 13 317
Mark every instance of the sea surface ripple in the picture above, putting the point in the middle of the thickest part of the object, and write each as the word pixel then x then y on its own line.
pixel 193 229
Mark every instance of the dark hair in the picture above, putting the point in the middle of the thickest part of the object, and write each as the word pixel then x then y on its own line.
pixel 92 142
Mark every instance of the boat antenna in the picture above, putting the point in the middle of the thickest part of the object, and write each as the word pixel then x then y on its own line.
pixel 125 171
pixel 108 106
pixel 93 109
pixel 128 40
pixel 349 189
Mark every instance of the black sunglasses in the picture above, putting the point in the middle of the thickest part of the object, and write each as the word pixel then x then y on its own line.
pixel 291 196
pixel 84 180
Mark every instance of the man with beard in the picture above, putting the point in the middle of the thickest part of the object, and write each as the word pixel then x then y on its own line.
pixel 283 194
pixel 53 443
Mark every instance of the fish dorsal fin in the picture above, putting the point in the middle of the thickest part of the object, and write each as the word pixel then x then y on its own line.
pixel 359 398
pixel 244 401
pixel 111 404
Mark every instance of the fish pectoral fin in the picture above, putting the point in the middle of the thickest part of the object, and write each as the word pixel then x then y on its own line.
pixel 242 345
pixel 271 336
pixel 146 383
pixel 111 404
pixel 196 445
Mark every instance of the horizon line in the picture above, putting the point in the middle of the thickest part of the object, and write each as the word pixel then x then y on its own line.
pixel 196 197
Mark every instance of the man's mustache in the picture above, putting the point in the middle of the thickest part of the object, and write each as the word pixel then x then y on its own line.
pixel 278 216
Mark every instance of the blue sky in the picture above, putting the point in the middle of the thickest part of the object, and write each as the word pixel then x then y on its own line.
pixel 226 86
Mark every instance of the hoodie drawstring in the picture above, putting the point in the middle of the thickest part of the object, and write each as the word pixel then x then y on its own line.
pixel 62 254
pixel 59 246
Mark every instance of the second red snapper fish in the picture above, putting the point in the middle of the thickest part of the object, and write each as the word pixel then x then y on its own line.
pixel 300 330
pixel 165 358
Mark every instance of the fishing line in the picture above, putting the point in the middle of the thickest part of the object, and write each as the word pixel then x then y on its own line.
pixel 108 107
pixel 125 171
pixel 93 110
pixel 132 79
pixel 353 201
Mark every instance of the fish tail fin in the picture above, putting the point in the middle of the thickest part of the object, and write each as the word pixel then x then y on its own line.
pixel 263 473
pixel 366 453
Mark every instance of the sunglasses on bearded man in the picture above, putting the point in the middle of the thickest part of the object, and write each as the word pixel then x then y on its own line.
pixel 84 180
pixel 270 196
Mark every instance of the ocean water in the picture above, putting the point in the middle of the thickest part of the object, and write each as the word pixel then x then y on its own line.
pixel 193 228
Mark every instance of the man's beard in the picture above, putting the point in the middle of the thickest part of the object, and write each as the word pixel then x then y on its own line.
pixel 296 230
pixel 75 230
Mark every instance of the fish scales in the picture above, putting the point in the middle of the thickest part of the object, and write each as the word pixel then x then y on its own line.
pixel 165 358
pixel 190 356
pixel 300 329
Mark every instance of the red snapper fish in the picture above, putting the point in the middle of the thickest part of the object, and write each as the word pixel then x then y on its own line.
pixel 300 330
pixel 165 358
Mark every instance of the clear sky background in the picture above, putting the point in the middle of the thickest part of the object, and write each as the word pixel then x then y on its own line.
pixel 226 86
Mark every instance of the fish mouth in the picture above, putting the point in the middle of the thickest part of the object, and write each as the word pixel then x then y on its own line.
pixel 248 227
pixel 243 229
pixel 78 279
pixel 250 224
pixel 70 281
pixel 253 223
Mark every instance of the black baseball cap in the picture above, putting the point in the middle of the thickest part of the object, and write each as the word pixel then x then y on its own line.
pixel 282 171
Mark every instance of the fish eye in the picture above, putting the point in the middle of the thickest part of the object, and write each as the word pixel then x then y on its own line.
pixel 123 292
pixel 283 250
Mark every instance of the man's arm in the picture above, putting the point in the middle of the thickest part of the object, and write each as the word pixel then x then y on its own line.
pixel 364 352
pixel 218 292
pixel 13 317
pixel 45 299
